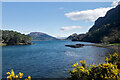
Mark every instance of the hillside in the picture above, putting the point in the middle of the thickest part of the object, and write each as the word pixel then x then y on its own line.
pixel 14 38
pixel 106 29
pixel 38 36
pixel 71 36
pixel 75 37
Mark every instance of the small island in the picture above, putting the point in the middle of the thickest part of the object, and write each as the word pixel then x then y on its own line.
pixel 14 38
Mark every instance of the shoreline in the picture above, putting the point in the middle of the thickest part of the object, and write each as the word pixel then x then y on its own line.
pixel 110 46
pixel 28 43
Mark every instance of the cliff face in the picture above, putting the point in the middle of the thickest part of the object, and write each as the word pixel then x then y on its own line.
pixel 41 36
pixel 106 29
pixel 110 17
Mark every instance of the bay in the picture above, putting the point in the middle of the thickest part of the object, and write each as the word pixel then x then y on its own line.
pixel 49 59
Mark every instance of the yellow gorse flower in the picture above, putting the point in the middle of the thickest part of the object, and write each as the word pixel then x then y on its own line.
pixel 74 65
pixel 20 74
pixel 29 77
pixel 82 62
pixel 12 76
pixel 8 73
pixel 16 76
pixel 9 77
pixel 107 59
pixel 73 70
pixel 106 71
pixel 12 73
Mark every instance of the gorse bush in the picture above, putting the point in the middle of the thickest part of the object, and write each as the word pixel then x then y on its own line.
pixel 12 76
pixel 114 59
pixel 106 71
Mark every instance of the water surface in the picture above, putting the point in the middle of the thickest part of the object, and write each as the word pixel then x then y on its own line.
pixel 48 59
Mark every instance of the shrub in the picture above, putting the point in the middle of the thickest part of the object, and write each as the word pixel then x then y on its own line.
pixel 12 76
pixel 114 59
pixel 106 71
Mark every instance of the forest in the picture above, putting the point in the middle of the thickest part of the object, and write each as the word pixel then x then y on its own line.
pixel 14 38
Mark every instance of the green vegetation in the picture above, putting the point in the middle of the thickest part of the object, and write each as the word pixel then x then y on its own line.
pixel 14 38
pixel 105 34
pixel 107 71
pixel 114 59
pixel 105 30
pixel 115 44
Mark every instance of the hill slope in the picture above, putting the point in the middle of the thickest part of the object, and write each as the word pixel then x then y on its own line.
pixel 41 36
pixel 106 29
pixel 71 36
pixel 14 38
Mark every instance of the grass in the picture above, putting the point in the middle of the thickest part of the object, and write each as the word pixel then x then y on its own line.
pixel 115 44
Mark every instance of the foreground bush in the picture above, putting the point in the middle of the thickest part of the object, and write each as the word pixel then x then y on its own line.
pixel 114 59
pixel 12 76
pixel 106 71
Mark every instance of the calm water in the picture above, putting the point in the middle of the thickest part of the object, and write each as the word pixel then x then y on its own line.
pixel 48 59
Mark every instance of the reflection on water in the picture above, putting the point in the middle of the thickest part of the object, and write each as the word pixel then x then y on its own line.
pixel 49 59
pixel 70 53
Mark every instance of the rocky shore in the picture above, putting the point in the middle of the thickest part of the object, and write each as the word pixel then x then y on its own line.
pixel 5 44
pixel 75 46
pixel 114 47
pixel 28 43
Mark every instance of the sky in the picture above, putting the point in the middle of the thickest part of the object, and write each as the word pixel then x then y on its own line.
pixel 59 19
pixel 57 0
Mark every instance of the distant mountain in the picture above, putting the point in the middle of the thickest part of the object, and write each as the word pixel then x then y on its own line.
pixel 71 36
pixel 106 29
pixel 75 37
pixel 41 36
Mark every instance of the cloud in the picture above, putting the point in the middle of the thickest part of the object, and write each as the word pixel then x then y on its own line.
pixel 90 15
pixel 115 3
pixel 68 28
